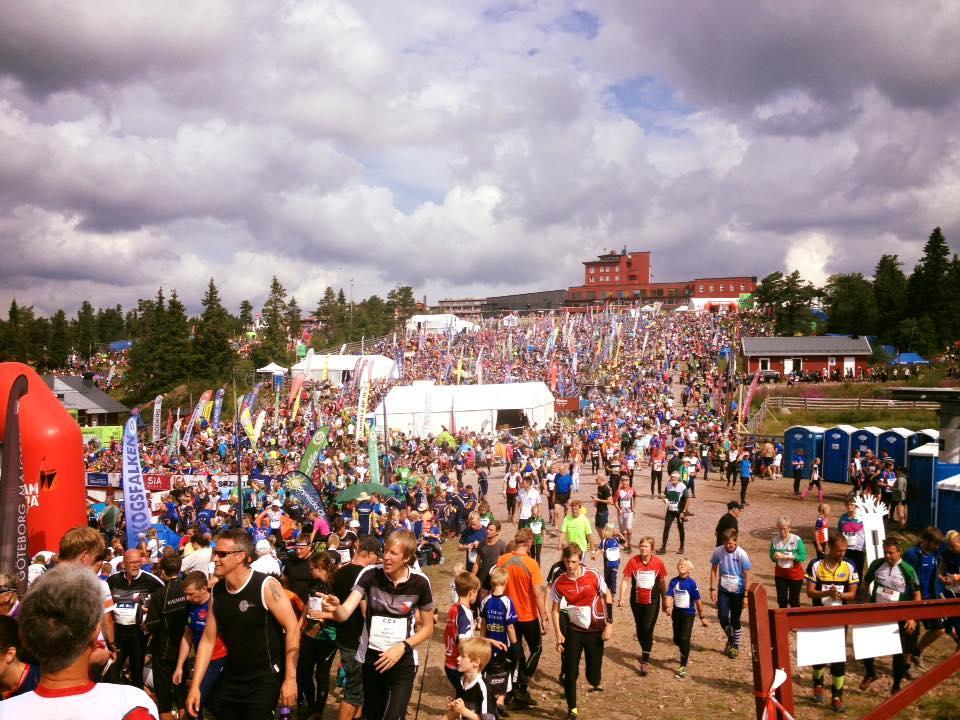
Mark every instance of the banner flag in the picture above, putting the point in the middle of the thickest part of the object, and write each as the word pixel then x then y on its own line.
pixel 157 416
pixel 460 367
pixel 258 427
pixel 453 415
pixel 326 368
pixel 296 405
pixel 295 386
pixel 208 410
pixel 13 535
pixel 218 408
pixel 373 458
pixel 173 445
pixel 478 370
pixel 300 486
pixel 318 443
pixel 135 506
pixel 745 410
pixel 195 417
pixel 427 412
pixel 247 423
pixel 362 399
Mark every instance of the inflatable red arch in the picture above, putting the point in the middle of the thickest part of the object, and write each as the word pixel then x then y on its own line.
pixel 53 471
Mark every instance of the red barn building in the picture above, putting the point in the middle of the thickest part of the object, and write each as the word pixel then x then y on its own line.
pixel 847 353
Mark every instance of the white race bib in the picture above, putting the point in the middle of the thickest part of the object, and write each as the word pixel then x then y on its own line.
pixel 580 616
pixel 471 556
pixel 485 522
pixel 730 583
pixel 536 527
pixel 344 555
pixel 785 563
pixel 612 553
pixel 385 632
pixel 681 599
pixel 829 601
pixel 645 579
pixel 885 595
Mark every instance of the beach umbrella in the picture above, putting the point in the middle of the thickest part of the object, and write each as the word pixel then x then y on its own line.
pixel 352 492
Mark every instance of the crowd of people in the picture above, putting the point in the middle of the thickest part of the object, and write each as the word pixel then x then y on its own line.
pixel 248 601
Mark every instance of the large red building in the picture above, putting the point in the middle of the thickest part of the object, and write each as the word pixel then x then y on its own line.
pixel 623 277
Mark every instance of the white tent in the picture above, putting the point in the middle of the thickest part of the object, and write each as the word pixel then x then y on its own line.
pixel 436 324
pixel 425 408
pixel 272 369
pixel 337 366
pixel 682 308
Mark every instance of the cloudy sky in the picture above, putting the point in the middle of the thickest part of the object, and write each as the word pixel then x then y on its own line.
pixel 464 147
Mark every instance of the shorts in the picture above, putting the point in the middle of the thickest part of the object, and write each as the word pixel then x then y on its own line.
pixel 563 498
pixel 767 461
pixel 497 674
pixel 626 521
pixel 352 676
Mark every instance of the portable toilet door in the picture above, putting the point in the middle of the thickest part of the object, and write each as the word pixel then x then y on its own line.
pixel 866 438
pixel 896 442
pixel 948 504
pixel 836 453
pixel 922 437
pixel 921 477
pixel 809 438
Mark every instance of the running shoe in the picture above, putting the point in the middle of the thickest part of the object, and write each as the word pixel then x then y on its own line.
pixel 867 681
pixel 837 705
pixel 573 714
pixel 644 669
pixel 818 695
pixel 734 652
pixel 682 672
pixel 680 551
pixel 502 711
pixel 919 664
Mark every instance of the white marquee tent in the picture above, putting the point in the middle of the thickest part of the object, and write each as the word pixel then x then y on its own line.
pixel 272 369
pixel 437 324
pixel 426 408
pixel 338 366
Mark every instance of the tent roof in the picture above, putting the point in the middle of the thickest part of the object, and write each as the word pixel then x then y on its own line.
pixel 77 395
pixel 909 358
pixel 440 320
pixel 463 398
pixel 272 368
pixel 342 362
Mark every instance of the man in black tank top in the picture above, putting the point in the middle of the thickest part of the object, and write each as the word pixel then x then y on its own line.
pixel 257 624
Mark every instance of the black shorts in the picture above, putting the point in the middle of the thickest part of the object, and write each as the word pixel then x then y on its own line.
pixel 497 675
pixel 563 498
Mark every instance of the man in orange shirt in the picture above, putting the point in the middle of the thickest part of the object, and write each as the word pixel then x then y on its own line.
pixel 525 589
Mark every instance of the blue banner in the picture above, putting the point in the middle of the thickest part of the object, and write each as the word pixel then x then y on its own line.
pixel 135 505
pixel 217 405
pixel 98 480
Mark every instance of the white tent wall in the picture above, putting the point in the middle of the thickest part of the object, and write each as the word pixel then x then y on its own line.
pixel 434 324
pixel 336 365
pixel 425 407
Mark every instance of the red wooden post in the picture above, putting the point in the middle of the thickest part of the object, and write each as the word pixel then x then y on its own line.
pixel 781 656
pixel 760 645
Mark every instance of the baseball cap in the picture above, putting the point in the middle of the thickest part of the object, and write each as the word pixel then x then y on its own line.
pixel 263 547
pixel 734 505
pixel 370 545
pixel 354 523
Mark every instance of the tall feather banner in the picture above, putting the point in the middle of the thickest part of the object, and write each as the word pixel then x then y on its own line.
pixel 136 509
pixel 311 455
pixel 218 408
pixel 13 510
pixel 258 427
pixel 157 416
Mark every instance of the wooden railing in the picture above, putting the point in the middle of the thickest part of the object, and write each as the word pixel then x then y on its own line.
pixel 778 402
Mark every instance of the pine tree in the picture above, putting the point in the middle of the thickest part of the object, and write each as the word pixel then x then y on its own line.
pixel 175 346
pixel 60 340
pixel 929 292
pixel 85 330
pixel 246 315
pixel 293 319
pixel 850 304
pixel 890 296
pixel 324 315
pixel 212 351
pixel 145 376
pixel 273 335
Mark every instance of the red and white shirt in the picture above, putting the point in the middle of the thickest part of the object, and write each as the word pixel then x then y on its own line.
pixel 585 598
pixel 644 577
pixel 101 701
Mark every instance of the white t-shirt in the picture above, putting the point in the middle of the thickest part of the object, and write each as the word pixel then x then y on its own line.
pixel 101 701
pixel 267 564
pixel 528 498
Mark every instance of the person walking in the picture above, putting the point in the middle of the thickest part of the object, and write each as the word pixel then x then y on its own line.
pixel 682 602
pixel 790 555
pixel 730 519
pixel 255 620
pixel 647 576
pixel 399 617
pixel 166 621
pixel 675 496
pixel 131 589
pixel 590 623
pixel 746 471
pixel 814 481
pixel 729 576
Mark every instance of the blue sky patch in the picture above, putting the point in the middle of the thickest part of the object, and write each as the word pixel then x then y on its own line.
pixel 647 100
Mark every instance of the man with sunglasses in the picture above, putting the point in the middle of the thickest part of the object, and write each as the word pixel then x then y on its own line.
pixel 130 589
pixel 296 568
pixel 256 622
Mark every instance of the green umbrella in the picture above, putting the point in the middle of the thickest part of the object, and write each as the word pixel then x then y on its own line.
pixel 445 438
pixel 352 492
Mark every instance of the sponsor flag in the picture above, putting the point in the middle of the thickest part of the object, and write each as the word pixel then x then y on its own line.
pixel 300 486
pixel 478 369
pixel 363 397
pixel 745 410
pixel 135 506
pixel 258 427
pixel 217 408
pixel 310 456
pixel 247 423
pixel 373 458
pixel 195 417
pixel 296 405
pixel 13 535
pixel 157 417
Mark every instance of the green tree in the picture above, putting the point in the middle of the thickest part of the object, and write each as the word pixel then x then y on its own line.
pixel 929 292
pixel 787 299
pixel 145 375
pixel 890 296
pixel 324 315
pixel 402 303
pixel 85 330
pixel 174 343
pixel 246 315
pixel 273 334
pixel 212 351
pixel 60 339
pixel 293 319
pixel 850 304
pixel 110 324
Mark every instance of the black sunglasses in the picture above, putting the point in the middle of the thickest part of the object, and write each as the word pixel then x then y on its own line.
pixel 223 553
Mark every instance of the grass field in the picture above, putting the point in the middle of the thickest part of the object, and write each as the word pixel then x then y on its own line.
pixel 779 420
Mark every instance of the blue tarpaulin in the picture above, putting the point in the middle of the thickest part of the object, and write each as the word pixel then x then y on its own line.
pixel 909 358
pixel 118 345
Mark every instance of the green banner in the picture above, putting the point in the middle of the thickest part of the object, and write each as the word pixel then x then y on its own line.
pixel 373 457
pixel 317 443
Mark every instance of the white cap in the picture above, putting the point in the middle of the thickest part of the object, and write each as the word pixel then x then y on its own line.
pixel 263 547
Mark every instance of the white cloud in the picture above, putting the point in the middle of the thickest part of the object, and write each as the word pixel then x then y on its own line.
pixel 810 255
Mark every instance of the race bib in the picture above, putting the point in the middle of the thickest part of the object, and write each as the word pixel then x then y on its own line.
pixel 681 599
pixel 730 583
pixel 536 527
pixel 645 579
pixel 471 556
pixel 612 553
pixel 785 563
pixel 344 555
pixel 580 616
pixel 658 466
pixel 673 506
pixel 625 505
pixel 385 632
pixel 485 522
pixel 885 594
pixel 829 601
pixel 511 484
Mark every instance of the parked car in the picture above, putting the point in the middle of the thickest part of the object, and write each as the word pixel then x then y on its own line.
pixel 770 376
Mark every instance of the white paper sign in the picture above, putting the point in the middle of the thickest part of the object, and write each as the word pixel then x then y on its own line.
pixel 876 640
pixel 821 646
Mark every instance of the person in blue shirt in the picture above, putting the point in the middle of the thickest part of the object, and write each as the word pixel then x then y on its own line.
pixel 564 484
pixel 746 471
pixel 683 603
pixel 924 558
pixel 797 462
pixel 364 510
pixel 729 576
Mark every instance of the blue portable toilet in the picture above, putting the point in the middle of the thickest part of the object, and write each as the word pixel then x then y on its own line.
pixel 807 437
pixel 921 476
pixel 922 437
pixel 866 438
pixel 948 504
pixel 836 453
pixel 896 442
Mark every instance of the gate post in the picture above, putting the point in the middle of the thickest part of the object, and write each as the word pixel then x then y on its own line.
pixel 760 646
